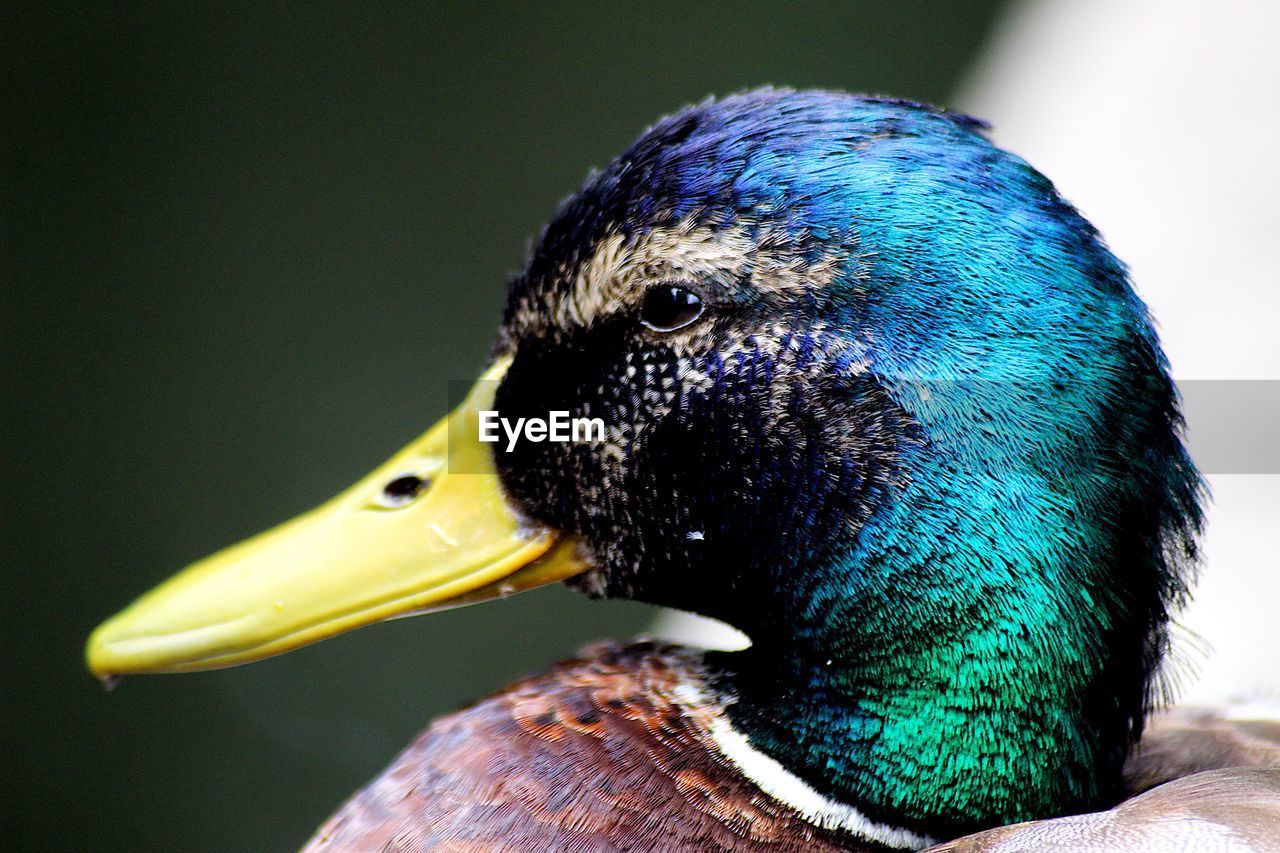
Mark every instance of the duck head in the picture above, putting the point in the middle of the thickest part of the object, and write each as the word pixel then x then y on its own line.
pixel 868 389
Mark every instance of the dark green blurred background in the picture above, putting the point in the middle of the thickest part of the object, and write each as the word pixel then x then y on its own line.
pixel 244 247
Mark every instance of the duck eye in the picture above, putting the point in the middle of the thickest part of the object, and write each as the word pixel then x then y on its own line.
pixel 401 490
pixel 667 307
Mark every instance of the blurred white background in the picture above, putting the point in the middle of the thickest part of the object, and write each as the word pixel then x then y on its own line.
pixel 1158 119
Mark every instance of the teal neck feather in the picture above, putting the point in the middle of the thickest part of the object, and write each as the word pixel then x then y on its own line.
pixel 982 650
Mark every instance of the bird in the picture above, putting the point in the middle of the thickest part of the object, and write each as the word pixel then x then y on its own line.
pixel 856 381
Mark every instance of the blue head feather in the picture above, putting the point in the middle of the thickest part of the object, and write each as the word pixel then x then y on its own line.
pixel 941 485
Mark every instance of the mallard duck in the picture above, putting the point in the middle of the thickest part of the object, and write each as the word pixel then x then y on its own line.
pixel 863 385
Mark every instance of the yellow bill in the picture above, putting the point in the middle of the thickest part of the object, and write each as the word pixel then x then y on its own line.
pixel 416 534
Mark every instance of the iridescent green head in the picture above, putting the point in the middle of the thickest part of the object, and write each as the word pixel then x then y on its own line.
pixel 884 401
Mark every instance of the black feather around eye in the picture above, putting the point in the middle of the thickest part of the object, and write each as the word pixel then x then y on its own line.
pixel 668 307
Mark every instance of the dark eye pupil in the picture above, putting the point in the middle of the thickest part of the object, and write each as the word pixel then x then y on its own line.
pixel 668 307
pixel 403 488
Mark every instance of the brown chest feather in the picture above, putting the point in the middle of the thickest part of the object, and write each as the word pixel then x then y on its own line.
pixel 613 751
pixel 600 753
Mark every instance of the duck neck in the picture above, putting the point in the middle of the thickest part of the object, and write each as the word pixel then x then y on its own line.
pixel 980 649
pixel 997 714
pixel 928 740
